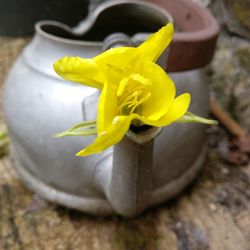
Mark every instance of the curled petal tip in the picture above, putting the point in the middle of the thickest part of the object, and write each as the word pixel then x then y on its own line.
pixel 188 97
pixel 170 27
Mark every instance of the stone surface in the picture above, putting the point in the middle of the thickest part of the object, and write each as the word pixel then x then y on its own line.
pixel 229 77
pixel 237 16
pixel 213 213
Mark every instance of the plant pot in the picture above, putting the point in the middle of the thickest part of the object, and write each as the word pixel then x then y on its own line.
pixel 195 38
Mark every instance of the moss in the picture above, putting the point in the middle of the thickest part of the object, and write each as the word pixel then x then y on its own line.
pixel 243 55
pixel 135 236
pixel 4 141
pixel 241 11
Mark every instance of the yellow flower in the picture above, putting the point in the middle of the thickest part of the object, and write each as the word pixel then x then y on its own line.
pixel 134 89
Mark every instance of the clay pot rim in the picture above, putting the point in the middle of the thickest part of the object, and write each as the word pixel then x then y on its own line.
pixel 190 49
pixel 210 29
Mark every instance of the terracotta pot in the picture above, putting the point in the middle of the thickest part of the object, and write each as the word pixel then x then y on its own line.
pixel 195 37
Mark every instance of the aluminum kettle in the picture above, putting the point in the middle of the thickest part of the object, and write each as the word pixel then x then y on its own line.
pixel 142 170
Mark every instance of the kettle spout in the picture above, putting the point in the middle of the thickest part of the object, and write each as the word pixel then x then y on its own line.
pixel 131 180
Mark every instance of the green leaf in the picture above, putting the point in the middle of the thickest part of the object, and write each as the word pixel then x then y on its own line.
pixel 80 129
pixel 190 117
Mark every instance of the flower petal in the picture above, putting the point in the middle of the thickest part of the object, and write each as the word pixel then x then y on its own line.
pixel 107 107
pixel 162 91
pixel 113 135
pixel 80 70
pixel 178 108
pixel 121 58
pixel 155 45
pixel 116 63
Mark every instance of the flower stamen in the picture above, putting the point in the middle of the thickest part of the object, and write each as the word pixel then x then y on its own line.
pixel 132 92
pixel 141 101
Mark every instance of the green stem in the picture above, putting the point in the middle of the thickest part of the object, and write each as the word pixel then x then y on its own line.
pixel 80 129
pixel 190 117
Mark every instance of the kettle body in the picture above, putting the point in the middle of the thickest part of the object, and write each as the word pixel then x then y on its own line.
pixel 38 104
